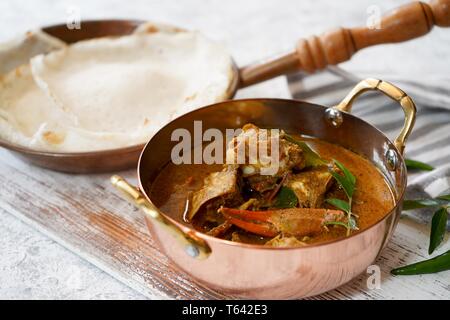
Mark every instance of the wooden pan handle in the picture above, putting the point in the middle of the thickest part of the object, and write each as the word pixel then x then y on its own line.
pixel 316 52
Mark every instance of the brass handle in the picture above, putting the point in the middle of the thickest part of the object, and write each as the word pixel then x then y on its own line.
pixel 407 22
pixel 196 248
pixel 393 92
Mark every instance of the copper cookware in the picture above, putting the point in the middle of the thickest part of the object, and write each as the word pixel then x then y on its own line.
pixel 256 271
pixel 312 54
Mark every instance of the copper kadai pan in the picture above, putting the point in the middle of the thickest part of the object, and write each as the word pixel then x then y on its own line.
pixel 256 271
pixel 312 54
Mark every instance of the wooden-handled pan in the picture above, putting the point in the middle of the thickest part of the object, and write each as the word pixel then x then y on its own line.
pixel 315 53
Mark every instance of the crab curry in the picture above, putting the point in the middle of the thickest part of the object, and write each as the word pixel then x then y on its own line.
pixel 319 192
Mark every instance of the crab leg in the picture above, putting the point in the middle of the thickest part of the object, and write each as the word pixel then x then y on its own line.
pixel 263 229
pixel 221 229
pixel 290 222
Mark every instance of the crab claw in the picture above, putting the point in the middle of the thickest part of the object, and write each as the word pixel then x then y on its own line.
pixel 296 222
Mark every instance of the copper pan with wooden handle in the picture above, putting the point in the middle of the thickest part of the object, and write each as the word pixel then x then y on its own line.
pixel 315 53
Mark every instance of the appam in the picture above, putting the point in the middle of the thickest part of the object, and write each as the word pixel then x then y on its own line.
pixel 111 92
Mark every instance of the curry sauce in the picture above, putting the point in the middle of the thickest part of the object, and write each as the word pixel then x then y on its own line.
pixel 372 198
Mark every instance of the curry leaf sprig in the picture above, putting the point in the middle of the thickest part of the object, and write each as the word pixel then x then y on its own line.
pixel 285 198
pixel 437 233
pixel 347 181
pixel 439 220
pixel 438 228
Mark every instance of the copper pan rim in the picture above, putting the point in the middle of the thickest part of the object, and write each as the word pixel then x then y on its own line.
pixel 106 152
pixel 208 238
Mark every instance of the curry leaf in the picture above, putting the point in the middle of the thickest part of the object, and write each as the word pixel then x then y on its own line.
pixel 340 204
pixel 348 175
pixel 414 164
pixel 344 183
pixel 337 223
pixel 286 198
pixel 421 203
pixel 438 227
pixel 445 197
pixel 347 181
pixel 436 264
pixel 312 159
pixel 443 200
pixel 351 225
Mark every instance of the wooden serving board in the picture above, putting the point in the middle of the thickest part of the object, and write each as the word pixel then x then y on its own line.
pixel 86 215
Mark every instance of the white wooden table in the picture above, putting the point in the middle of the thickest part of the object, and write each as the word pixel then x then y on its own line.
pixel 34 266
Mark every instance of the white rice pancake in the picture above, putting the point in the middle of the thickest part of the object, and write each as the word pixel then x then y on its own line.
pixel 19 50
pixel 111 92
